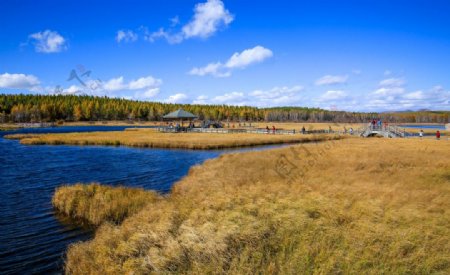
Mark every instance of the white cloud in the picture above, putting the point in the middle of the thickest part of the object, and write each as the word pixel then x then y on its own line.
pixel 174 21
pixel 126 36
pixel 418 95
pixel 389 91
pixel 214 69
pixel 161 33
pixel 201 99
pixel 48 41
pixel 333 96
pixel 237 61
pixel 114 84
pixel 392 82
pixel 177 98
pixel 249 56
pixel 234 98
pixel 146 94
pixel 73 90
pixel 277 96
pixel 18 81
pixel 144 82
pixel 208 18
pixel 331 80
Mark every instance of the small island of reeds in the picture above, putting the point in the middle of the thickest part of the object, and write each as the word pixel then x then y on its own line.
pixel 150 138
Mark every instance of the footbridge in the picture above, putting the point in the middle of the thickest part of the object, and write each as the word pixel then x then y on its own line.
pixel 385 131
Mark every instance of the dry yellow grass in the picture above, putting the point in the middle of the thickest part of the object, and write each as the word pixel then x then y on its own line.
pixel 353 206
pixel 112 123
pixel 152 138
pixel 96 203
pixel 8 126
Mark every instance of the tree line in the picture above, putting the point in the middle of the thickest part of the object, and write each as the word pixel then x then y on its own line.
pixel 51 108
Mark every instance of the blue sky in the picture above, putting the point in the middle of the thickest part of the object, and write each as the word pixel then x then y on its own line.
pixel 339 55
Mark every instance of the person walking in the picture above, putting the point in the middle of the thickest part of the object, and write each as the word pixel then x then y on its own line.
pixel 421 134
pixel 273 129
pixel 438 135
pixel 303 130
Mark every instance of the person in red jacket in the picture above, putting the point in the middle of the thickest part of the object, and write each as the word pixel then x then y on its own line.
pixel 438 135
pixel 273 129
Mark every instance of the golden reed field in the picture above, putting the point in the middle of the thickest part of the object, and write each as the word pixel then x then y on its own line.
pixel 153 139
pixel 351 206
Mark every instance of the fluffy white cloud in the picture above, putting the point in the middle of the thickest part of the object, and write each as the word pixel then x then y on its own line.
pixel 333 96
pixel 208 18
pixel 48 41
pixel 18 81
pixel 249 56
pixel 331 80
pixel 147 94
pixel 144 82
pixel 114 84
pixel 236 61
pixel 72 90
pixel 126 36
pixel 177 98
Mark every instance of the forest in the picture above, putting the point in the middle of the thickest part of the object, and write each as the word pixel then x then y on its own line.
pixel 21 108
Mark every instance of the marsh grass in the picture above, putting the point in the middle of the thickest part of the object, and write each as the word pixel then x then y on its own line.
pixel 353 206
pixel 153 139
pixel 96 204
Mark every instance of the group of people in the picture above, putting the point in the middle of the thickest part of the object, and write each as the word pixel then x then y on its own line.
pixel 438 134
pixel 273 129
pixel 378 123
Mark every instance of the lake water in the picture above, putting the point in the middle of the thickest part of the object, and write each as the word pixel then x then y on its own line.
pixel 32 238
pixel 426 126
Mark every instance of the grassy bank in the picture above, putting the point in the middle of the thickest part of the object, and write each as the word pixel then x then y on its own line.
pixel 96 203
pixel 358 206
pixel 153 139
pixel 8 127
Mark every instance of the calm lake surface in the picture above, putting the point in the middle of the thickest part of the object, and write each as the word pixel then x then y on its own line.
pixel 426 126
pixel 32 238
